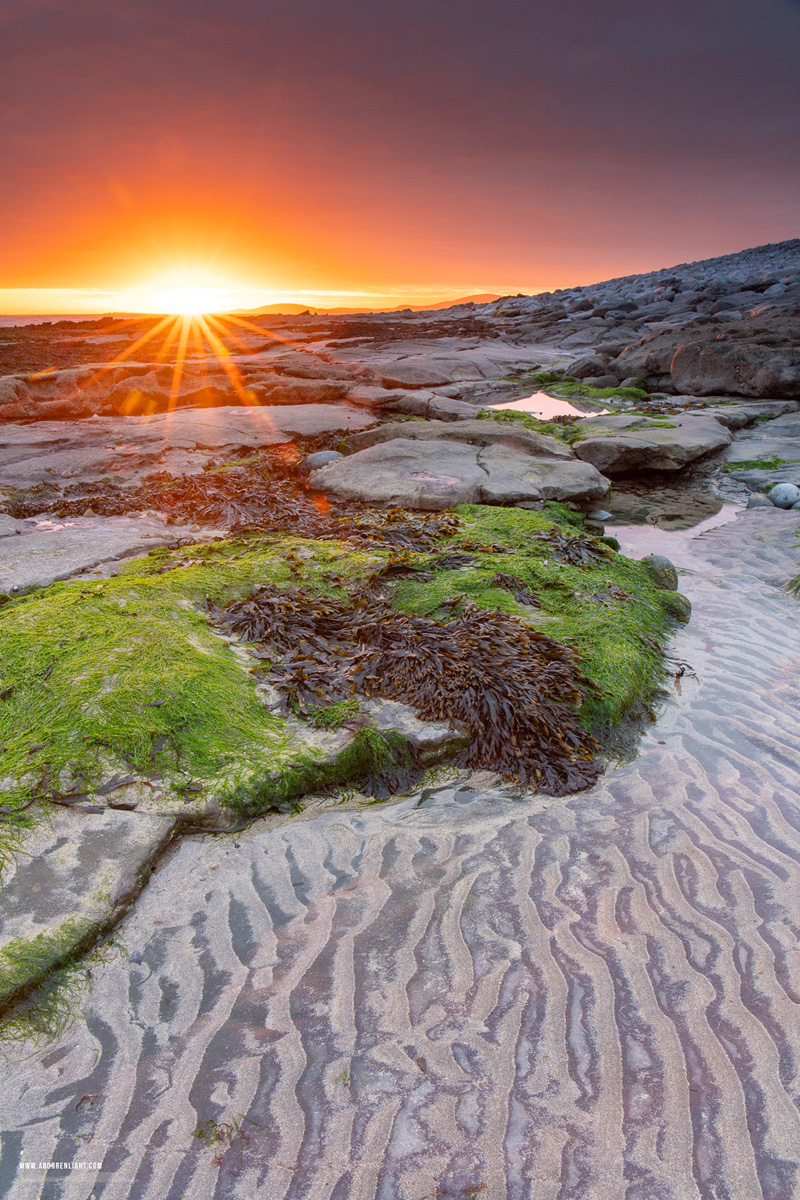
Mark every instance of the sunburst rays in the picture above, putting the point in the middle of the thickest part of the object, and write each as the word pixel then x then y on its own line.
pixel 198 336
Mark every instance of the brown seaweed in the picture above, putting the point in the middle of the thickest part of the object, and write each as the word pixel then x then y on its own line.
pixel 516 690
pixel 265 494
pixel 578 551
pixel 518 588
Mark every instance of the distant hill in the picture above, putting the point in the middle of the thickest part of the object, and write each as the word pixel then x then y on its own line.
pixel 292 310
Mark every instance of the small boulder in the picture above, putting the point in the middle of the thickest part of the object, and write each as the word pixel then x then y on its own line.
pixel 680 606
pixel 321 459
pixel 634 381
pixel 759 501
pixel 784 495
pixel 590 366
pixel 662 571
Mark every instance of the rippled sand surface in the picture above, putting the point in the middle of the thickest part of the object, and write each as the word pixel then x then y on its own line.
pixel 475 994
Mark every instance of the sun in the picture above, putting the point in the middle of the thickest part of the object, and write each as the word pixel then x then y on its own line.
pixel 190 300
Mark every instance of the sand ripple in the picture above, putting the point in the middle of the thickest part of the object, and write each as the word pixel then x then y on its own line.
pixel 471 994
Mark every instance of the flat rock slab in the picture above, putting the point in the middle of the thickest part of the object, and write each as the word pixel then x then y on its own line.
pixel 475 433
pixel 635 443
pixel 146 387
pixel 431 740
pixel 38 552
pixel 180 442
pixel 74 875
pixel 740 416
pixel 441 473
pixel 774 439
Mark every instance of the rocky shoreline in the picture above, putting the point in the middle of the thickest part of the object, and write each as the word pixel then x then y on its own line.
pixel 314 574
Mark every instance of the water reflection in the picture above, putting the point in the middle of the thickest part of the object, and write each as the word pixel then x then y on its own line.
pixel 547 407
pixel 636 541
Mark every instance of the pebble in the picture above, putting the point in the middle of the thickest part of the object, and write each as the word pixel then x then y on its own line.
pixel 759 501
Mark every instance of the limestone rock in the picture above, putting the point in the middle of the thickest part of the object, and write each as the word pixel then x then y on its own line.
pixel 431 740
pixel 476 433
pixel 441 473
pixel 179 443
pixel 413 474
pixel 37 552
pixel 429 372
pixel 634 443
pixel 75 876
pixel 515 475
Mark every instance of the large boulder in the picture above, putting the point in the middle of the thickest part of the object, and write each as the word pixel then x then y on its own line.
pixel 736 368
pixel 476 433
pixel 617 444
pixel 757 356
pixel 440 473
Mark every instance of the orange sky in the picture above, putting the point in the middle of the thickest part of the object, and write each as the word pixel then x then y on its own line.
pixel 364 154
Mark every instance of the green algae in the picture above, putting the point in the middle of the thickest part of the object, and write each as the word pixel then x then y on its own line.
pixel 758 464
pixel 129 674
pixel 577 605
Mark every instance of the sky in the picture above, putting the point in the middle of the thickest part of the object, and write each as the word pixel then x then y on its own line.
pixel 370 153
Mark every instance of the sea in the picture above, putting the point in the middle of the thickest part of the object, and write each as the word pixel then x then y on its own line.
pixel 45 319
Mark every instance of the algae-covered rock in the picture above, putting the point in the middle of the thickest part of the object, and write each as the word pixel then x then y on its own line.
pixel 130 710
pixel 70 880
pixel 663 571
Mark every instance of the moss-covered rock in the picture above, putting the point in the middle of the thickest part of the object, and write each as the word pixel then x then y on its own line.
pixel 129 677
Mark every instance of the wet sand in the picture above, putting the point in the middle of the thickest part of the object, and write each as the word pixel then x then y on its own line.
pixel 474 991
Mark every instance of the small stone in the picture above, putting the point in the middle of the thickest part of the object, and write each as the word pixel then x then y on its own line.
pixel 663 572
pixel 759 501
pixel 784 495
pixel 136 957
pixel 599 514
pixel 321 459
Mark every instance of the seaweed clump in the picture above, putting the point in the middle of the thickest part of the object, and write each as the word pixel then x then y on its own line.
pixel 576 551
pixel 262 494
pixel 516 690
